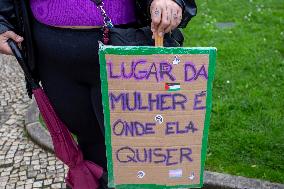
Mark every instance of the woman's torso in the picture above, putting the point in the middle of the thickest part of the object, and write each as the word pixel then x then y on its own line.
pixel 81 13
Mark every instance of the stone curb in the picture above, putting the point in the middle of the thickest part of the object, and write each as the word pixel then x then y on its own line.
pixel 212 180
pixel 37 133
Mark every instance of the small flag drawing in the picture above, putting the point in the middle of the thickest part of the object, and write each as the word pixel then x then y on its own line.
pixel 172 86
pixel 176 60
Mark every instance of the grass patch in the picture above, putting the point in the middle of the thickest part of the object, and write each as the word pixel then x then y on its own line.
pixel 247 126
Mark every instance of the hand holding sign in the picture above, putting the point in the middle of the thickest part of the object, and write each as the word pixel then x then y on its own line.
pixel 166 15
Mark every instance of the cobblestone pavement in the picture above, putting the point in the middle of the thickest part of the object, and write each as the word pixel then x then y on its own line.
pixel 23 164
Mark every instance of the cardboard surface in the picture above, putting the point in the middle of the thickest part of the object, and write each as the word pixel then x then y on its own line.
pixel 157 104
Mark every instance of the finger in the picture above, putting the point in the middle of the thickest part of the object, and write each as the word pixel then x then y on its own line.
pixel 153 30
pixel 19 45
pixel 156 14
pixel 169 28
pixel 177 15
pixel 5 49
pixel 165 21
pixel 14 36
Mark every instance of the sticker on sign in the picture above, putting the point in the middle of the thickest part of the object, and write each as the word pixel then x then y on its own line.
pixel 140 174
pixel 172 86
pixel 176 173
pixel 159 119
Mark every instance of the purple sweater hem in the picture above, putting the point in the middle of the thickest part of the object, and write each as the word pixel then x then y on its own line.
pixel 81 12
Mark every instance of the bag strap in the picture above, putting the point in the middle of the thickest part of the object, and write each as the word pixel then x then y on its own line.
pixel 106 19
pixel 98 2
pixel 101 6
pixel 19 56
pixel 108 24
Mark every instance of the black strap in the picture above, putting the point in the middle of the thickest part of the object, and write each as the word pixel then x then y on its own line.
pixel 19 56
pixel 106 18
pixel 98 2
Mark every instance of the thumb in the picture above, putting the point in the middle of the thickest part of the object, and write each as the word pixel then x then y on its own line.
pixel 14 36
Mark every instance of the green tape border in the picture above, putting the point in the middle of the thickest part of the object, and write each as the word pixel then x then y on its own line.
pixel 122 50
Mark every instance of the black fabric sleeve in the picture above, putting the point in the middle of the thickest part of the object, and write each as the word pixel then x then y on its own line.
pixel 7 16
pixel 189 10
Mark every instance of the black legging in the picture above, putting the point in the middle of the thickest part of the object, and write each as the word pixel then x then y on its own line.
pixel 68 66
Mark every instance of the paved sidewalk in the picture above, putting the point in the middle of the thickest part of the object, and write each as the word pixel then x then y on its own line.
pixel 23 164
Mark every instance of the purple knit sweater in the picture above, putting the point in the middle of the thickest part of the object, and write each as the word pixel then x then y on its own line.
pixel 81 12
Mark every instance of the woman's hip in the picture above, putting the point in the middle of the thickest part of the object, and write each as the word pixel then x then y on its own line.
pixel 69 52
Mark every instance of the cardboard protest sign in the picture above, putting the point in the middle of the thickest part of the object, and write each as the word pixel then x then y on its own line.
pixel 157 104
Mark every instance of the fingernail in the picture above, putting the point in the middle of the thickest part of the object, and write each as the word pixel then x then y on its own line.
pixel 19 38
pixel 161 34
